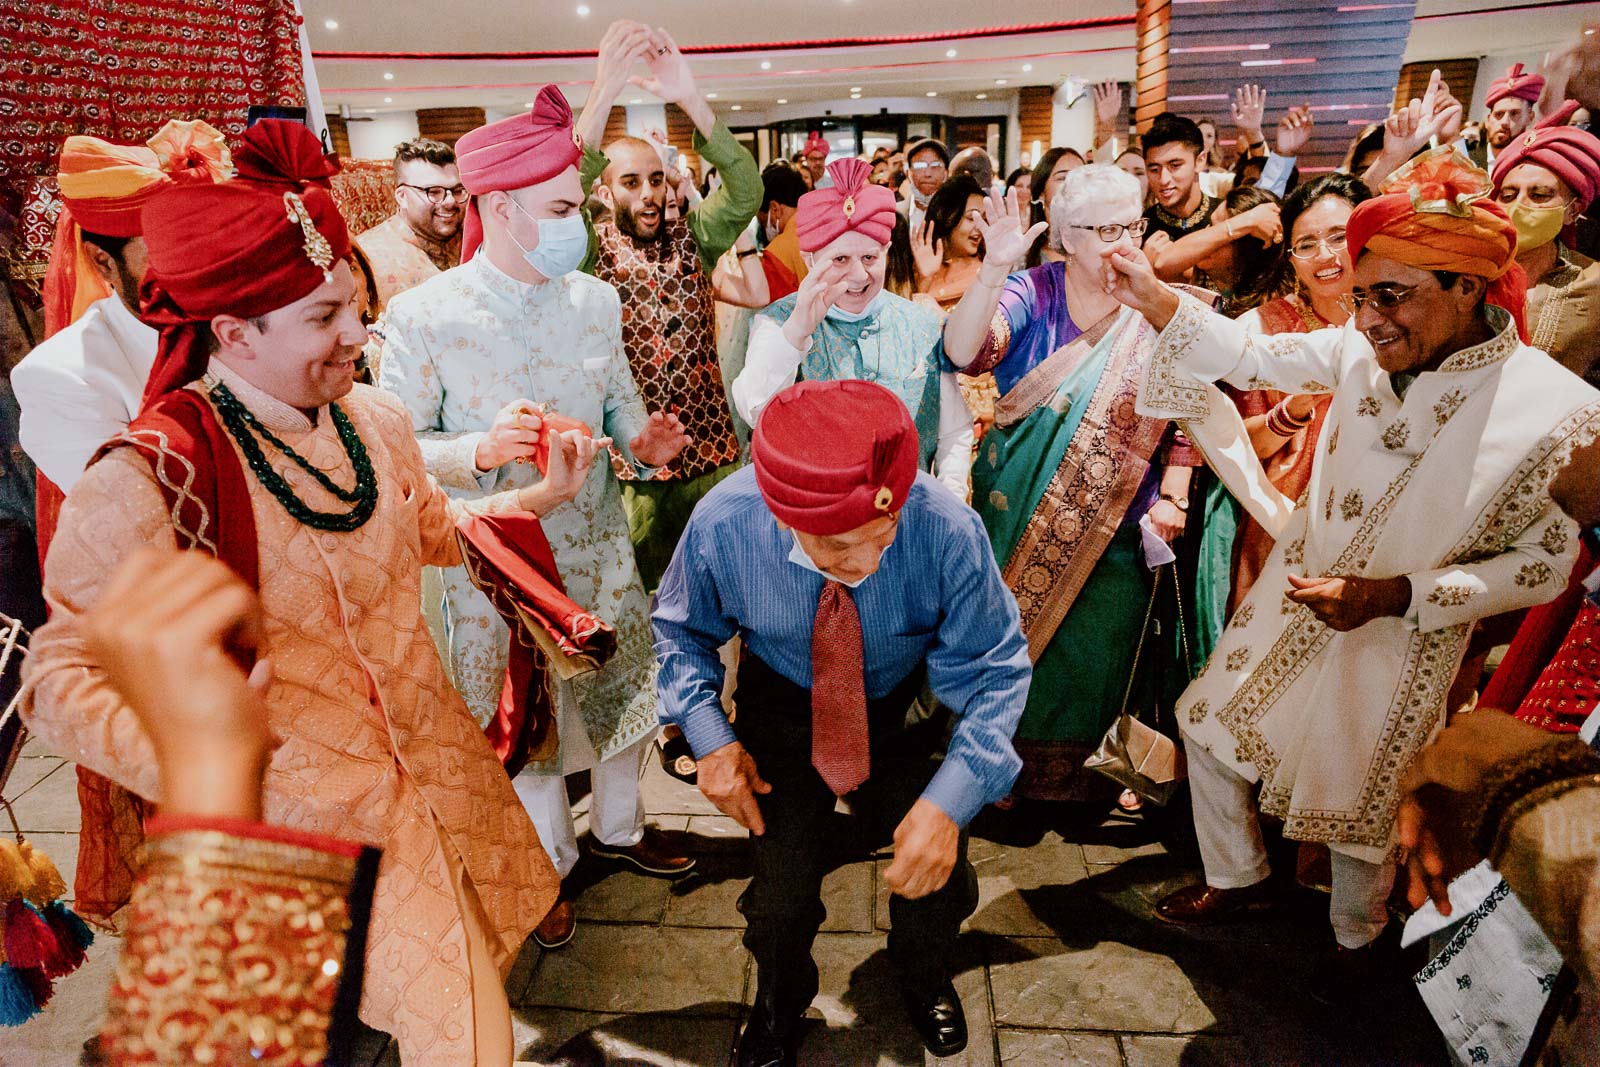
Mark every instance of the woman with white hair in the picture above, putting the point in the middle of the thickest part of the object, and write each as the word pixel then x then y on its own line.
pixel 1069 470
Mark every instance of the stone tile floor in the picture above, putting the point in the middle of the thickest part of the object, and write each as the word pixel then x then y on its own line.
pixel 1062 964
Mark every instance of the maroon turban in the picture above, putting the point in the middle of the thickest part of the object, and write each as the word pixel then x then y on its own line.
pixel 832 456
pixel 850 203
pixel 515 153
pixel 242 247
pixel 1516 84
pixel 1571 154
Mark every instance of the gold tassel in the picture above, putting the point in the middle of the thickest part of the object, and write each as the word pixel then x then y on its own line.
pixel 47 882
pixel 16 879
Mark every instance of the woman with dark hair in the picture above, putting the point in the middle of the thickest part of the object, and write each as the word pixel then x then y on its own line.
pixel 1048 174
pixel 949 249
pixel 1248 270
pixel 1021 178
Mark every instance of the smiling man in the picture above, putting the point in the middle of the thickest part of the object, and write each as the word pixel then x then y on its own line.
pixel 423 236
pixel 661 267
pixel 255 445
pixel 1427 509
pixel 1172 148
pixel 852 578
pixel 842 323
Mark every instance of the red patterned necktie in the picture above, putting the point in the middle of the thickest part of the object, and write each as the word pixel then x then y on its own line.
pixel 838 692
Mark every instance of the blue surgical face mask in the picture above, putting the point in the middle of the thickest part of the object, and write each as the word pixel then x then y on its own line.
pixel 562 244
pixel 874 306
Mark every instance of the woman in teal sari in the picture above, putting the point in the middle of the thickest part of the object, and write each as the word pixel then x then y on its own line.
pixel 1070 470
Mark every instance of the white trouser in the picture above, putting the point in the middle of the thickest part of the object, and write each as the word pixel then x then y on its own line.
pixel 1229 831
pixel 616 809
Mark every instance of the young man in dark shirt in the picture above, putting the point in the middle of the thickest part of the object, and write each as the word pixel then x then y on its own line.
pixel 1172 150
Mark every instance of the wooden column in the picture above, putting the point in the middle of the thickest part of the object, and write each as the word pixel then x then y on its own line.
pixel 1151 27
pixel 339 134
pixel 1461 75
pixel 447 124
pixel 1034 119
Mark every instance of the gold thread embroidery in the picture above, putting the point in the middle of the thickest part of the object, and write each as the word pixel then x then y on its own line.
pixel 1237 660
pixel 1535 573
pixel 1555 538
pixel 1350 507
pixel 1451 595
pixel 1369 406
pixel 1396 434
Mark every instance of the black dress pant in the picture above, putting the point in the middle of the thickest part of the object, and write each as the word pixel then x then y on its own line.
pixel 783 905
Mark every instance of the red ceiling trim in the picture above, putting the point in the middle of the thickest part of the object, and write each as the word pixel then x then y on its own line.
pixel 975 33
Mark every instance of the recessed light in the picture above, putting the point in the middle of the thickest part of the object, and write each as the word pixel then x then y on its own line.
pixel 949 53
pixel 983 96
pixel 855 88
pixel 711 96
pixel 855 96
pixel 1026 67
pixel 932 93
pixel 369 111
pixel 583 11
pixel 765 65
pixel 737 107
pixel 784 101
pixel 388 75
pixel 528 104
pixel 999 81
pixel 636 101
pixel 330 24
pixel 388 100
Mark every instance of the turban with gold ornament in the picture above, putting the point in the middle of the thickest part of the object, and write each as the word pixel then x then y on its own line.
pixel 850 203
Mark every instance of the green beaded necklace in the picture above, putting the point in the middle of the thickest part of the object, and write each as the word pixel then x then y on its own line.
pixel 244 427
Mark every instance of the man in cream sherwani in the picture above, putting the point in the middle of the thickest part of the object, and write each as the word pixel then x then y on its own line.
pixel 1428 509
pixel 468 351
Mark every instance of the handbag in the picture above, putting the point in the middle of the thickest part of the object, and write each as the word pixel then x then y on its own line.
pixel 1133 753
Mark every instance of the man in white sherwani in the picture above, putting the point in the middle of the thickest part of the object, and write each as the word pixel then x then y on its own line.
pixel 470 352
pixel 1428 509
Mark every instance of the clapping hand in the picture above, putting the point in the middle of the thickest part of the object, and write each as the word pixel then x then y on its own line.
pixel 1294 130
pixel 659 443
pixel 1005 240
pixel 625 43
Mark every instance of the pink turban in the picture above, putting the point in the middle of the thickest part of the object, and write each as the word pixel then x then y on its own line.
pixel 850 203
pixel 1571 154
pixel 816 146
pixel 515 153
pixel 1516 84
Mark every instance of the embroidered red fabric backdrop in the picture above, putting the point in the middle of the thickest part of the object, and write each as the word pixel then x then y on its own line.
pixel 119 69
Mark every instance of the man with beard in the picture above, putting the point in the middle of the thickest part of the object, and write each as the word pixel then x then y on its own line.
pixel 661 267
pixel 423 237
pixel 1510 102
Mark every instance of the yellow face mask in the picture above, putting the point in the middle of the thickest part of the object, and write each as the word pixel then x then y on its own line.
pixel 1536 226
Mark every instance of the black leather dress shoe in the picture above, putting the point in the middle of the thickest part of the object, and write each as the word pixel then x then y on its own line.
pixel 760 1045
pixel 940 1022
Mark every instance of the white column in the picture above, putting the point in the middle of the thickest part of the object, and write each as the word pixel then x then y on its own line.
pixel 1071 116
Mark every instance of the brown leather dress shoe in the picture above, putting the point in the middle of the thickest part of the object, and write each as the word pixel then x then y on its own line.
pixel 558 926
pixel 1196 905
pixel 652 854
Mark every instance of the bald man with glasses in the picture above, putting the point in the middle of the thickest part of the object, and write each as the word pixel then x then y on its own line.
pixel 423 236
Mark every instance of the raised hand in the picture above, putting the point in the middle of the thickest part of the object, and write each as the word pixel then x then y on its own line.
pixel 625 43
pixel 1261 221
pixel 1420 121
pixel 662 438
pixel 819 290
pixel 1005 241
pixel 513 435
pixel 926 252
pixel 1107 104
pixel 1249 108
pixel 1294 130
pixel 669 78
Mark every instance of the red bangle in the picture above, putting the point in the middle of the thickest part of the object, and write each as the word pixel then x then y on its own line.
pixel 1283 422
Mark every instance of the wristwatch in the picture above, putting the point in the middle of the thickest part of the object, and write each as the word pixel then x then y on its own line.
pixel 1181 503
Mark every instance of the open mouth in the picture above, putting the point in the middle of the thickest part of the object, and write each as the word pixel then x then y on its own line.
pixel 1331 274
pixel 1382 340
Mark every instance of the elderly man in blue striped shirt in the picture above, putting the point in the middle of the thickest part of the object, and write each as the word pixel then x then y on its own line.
pixel 851 579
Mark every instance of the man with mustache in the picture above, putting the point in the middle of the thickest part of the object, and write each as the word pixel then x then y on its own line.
pixel 423 236
pixel 661 264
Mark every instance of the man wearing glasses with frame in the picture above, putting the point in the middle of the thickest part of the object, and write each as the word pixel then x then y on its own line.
pixel 422 237
pixel 1427 510
pixel 927 166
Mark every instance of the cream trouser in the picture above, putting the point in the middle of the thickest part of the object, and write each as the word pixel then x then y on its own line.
pixel 1225 821
pixel 616 809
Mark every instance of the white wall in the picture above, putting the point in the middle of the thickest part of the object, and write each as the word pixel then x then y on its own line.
pixel 374 136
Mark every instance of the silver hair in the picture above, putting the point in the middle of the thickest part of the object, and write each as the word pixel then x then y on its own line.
pixel 1087 197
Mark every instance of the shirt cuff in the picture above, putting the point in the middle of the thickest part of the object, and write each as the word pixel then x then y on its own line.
pixel 453 462
pixel 957 792
pixel 1275 173
pixel 706 728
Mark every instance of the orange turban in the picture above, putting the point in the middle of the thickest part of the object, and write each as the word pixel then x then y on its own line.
pixel 103 188
pixel 1435 214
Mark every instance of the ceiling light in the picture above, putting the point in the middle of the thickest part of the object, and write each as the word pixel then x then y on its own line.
pixel 855 88
pixel 369 111
pixel 583 11
pixel 711 96
pixel 855 96
pixel 388 75
pixel 932 93
pixel 999 81
pixel 635 101
pixel 1026 67
pixel 388 100
pixel 737 107
pixel 528 104
pixel 783 101
pixel 949 53
pixel 765 65
pixel 983 96
pixel 330 24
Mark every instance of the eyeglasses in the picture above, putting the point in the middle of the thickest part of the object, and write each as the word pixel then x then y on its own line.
pixel 1112 231
pixel 925 165
pixel 1310 247
pixel 1384 298
pixel 438 194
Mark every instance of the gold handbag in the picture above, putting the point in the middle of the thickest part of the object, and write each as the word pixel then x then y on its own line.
pixel 1136 755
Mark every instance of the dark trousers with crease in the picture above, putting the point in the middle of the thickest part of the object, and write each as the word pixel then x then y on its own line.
pixel 783 905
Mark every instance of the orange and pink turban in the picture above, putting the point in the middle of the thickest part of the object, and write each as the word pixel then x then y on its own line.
pixel 850 203
pixel 515 153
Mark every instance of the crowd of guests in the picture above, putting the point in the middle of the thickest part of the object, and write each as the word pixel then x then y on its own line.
pixel 500 487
